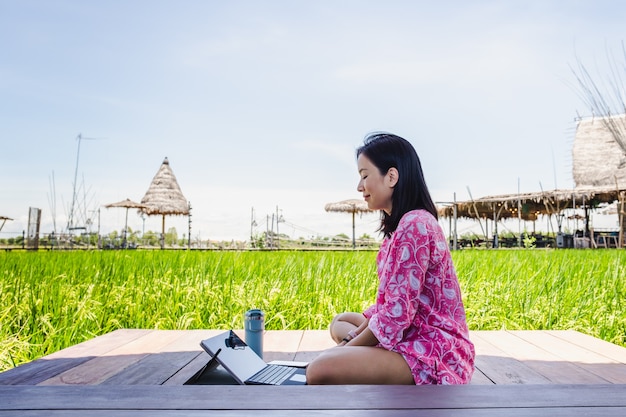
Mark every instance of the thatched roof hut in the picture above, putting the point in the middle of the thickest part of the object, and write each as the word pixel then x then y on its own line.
pixel 351 206
pixel 599 153
pixel 164 196
pixel 530 205
pixel 599 159
pixel 127 204
pixel 599 171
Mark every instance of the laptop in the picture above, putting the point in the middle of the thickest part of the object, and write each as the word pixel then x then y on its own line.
pixel 245 366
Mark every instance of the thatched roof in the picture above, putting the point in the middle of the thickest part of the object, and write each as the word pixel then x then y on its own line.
pixel 164 195
pixel 531 204
pixel 348 206
pixel 599 152
pixel 599 170
pixel 352 206
pixel 128 203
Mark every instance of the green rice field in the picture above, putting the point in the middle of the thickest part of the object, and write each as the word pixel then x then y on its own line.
pixel 51 300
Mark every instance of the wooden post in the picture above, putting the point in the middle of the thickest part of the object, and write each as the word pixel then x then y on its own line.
pixel 163 232
pixel 622 222
pixel 353 231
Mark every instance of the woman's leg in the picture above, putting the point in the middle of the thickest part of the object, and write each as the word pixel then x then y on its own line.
pixel 343 323
pixel 359 365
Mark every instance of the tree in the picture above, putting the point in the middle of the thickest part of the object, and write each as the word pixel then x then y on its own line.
pixel 171 236
pixel 150 238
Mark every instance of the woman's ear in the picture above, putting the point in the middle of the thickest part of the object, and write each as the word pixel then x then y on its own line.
pixel 392 177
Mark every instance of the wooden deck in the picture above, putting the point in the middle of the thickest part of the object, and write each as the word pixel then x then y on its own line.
pixel 144 372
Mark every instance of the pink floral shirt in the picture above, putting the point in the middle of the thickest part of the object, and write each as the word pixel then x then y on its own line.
pixel 419 312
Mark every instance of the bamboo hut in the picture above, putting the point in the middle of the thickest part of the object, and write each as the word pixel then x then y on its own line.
pixel 599 160
pixel 164 197
pixel 127 204
pixel 352 206
pixel 599 153
pixel 599 172
pixel 529 206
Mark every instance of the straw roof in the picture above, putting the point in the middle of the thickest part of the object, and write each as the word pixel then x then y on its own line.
pixel 599 152
pixel 351 206
pixel 128 203
pixel 531 204
pixel 599 170
pixel 348 206
pixel 164 195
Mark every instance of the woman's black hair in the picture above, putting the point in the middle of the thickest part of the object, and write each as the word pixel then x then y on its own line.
pixel 387 151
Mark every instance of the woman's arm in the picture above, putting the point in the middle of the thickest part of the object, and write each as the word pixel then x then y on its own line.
pixel 364 338
pixel 361 336
pixel 403 275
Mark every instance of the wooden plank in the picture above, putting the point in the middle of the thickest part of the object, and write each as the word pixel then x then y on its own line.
pixel 281 344
pixel 58 362
pixel 105 366
pixel 490 412
pixel 339 397
pixel 39 370
pixel 313 343
pixel 544 362
pixel 156 368
pixel 172 357
pixel 500 367
pixel 187 372
pixel 101 344
pixel 196 365
pixel 609 369
pixel 602 347
pixel 479 378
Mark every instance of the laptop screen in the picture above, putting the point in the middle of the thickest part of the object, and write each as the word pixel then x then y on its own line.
pixel 234 355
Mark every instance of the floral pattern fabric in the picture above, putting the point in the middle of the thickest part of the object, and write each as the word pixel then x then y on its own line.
pixel 419 311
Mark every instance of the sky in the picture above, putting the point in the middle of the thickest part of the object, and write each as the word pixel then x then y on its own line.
pixel 260 105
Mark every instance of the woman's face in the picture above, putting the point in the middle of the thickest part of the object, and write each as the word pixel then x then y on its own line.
pixel 377 189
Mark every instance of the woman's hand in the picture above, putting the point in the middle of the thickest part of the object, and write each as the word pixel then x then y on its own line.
pixel 351 335
pixel 364 338
pixel 361 336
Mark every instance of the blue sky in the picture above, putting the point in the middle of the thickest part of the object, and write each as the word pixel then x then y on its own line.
pixel 261 104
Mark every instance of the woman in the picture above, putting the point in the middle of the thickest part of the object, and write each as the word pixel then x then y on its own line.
pixel 416 333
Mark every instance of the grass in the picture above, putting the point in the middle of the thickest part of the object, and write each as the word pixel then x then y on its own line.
pixel 535 290
pixel 51 300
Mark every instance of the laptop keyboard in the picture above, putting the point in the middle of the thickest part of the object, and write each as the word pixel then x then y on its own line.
pixel 272 375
